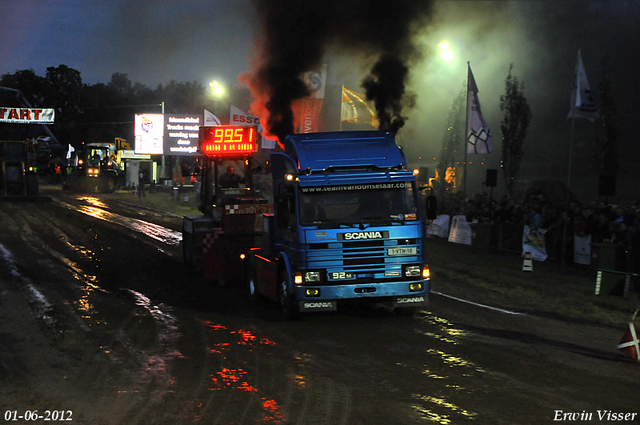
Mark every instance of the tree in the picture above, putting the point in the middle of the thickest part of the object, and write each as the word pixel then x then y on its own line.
pixel 32 86
pixel 451 140
pixel 514 127
pixel 186 97
pixel 63 91
pixel 64 88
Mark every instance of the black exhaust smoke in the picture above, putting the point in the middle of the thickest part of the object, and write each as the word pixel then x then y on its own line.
pixel 295 34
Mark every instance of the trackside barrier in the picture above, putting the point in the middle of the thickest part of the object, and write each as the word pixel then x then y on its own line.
pixel 611 282
pixel 500 236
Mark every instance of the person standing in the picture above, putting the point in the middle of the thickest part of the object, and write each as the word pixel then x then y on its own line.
pixel 141 184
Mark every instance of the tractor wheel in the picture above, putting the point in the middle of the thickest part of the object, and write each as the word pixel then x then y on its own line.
pixel 109 184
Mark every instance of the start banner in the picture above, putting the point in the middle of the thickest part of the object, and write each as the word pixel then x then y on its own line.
pixel 27 115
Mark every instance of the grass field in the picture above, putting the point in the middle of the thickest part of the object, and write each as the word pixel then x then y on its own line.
pixel 551 289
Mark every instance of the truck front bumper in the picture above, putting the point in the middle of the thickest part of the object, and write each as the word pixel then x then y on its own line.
pixel 399 294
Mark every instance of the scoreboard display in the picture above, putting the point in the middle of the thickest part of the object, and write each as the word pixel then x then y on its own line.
pixel 228 140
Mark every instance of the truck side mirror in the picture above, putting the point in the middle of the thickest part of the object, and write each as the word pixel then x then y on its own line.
pixel 432 210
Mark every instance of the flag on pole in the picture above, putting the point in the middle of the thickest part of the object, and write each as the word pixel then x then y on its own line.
pixel 479 138
pixel 356 110
pixel 307 110
pixel 582 103
pixel 210 119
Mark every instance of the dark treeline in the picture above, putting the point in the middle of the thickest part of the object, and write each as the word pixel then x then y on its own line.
pixel 103 111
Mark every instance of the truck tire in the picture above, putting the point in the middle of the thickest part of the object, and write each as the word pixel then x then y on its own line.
pixel 286 302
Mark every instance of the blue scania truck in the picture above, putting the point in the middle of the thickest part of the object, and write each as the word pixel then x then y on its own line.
pixel 343 224
pixel 347 226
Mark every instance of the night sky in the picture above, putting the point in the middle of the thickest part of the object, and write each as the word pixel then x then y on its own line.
pixel 201 40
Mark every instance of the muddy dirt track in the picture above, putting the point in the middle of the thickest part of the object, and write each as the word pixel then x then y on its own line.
pixel 101 323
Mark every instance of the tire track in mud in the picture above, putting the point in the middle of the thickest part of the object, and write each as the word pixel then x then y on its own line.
pixel 111 378
pixel 99 375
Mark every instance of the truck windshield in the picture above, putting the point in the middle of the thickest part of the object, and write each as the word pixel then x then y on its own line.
pixel 347 204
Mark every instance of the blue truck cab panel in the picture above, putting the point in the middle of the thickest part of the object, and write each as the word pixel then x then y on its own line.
pixel 347 224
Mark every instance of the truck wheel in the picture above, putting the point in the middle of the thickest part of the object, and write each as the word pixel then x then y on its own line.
pixel 285 298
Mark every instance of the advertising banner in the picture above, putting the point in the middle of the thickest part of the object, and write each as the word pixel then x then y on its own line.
pixel 439 227
pixel 307 110
pixel 181 134
pixel 27 115
pixel 582 250
pixel 238 117
pixel 533 242
pixel 148 134
pixel 460 230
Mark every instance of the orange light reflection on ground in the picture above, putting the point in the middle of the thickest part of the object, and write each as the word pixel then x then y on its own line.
pixel 238 379
pixel 273 410
pixel 93 201
pixel 227 378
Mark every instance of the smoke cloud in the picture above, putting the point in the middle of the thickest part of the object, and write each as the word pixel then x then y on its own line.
pixel 295 35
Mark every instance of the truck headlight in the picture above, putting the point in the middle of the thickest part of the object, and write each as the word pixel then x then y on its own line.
pixel 413 271
pixel 312 276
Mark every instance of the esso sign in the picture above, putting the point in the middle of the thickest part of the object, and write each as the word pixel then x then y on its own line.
pixel 245 119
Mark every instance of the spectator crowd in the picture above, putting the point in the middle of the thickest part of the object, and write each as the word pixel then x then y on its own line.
pixel 605 223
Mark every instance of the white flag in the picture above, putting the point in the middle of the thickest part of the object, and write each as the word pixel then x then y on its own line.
pixel 479 138
pixel 210 119
pixel 582 104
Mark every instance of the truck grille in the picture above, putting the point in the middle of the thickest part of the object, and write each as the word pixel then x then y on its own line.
pixel 366 259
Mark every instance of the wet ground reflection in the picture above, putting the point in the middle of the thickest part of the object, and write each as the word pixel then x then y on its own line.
pixel 159 233
pixel 239 353
pixel 92 200
pixel 450 370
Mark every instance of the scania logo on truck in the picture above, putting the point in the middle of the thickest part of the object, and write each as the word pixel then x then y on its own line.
pixel 318 305
pixel 354 236
pixel 419 301
pixel 410 300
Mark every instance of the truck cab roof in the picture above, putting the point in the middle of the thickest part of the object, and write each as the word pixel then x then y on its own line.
pixel 341 150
